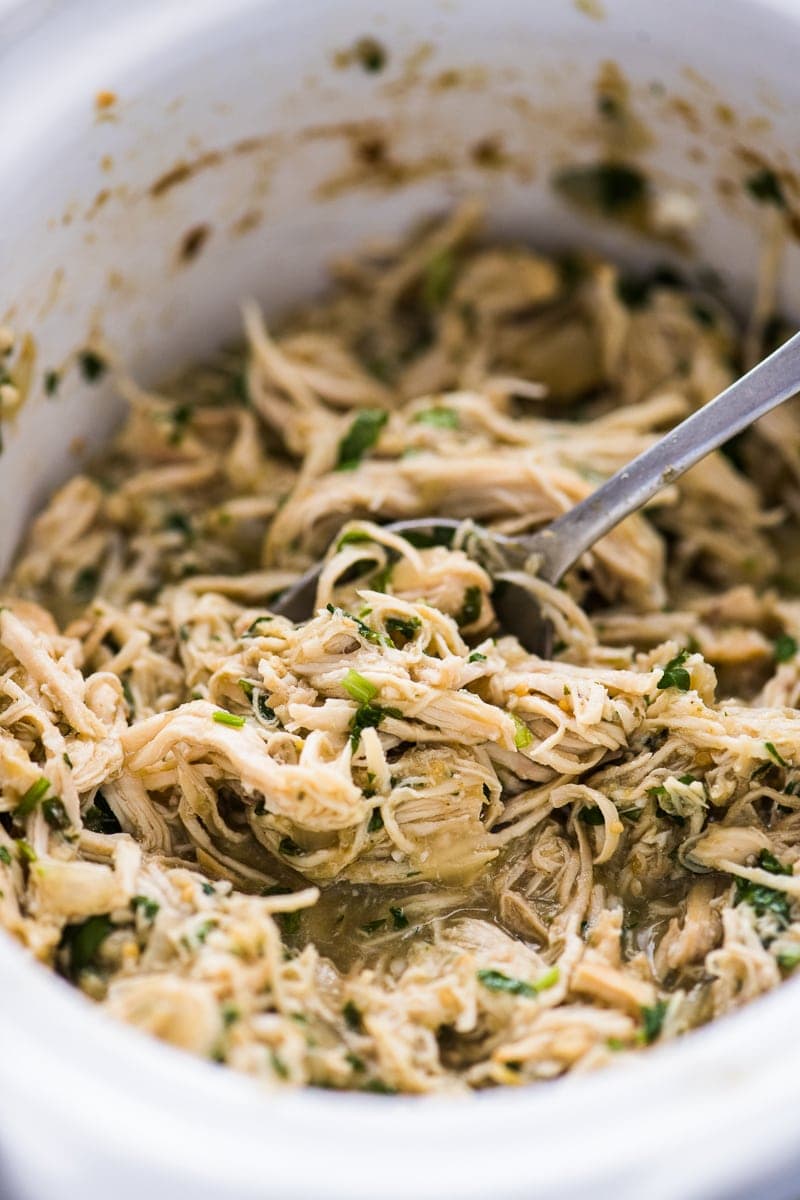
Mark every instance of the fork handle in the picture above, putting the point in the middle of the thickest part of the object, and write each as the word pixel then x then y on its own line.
pixel 763 388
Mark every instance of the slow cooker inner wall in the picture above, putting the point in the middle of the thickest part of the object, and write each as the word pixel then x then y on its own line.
pixel 164 161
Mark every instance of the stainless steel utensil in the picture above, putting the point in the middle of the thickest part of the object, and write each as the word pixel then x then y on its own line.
pixel 551 551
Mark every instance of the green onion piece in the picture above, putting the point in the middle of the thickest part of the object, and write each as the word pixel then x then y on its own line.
pixel 226 718
pixel 476 656
pixel 353 537
pixel 440 418
pixel 405 626
pixel 358 687
pixel 522 734
pixel 496 981
pixel 36 792
pixel 5 857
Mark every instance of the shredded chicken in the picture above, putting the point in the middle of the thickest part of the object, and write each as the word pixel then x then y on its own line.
pixel 388 848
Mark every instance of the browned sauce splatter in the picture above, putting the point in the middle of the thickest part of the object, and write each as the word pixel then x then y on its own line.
pixel 193 242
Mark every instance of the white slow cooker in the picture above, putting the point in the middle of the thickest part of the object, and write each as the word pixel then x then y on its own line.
pixel 161 159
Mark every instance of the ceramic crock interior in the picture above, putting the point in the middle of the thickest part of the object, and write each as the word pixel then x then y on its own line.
pixel 165 160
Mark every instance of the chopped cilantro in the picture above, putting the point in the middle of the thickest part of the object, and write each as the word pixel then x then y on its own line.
pixel 83 940
pixel 471 606
pixel 675 674
pixel 653 1020
pixel 355 1062
pixel 92 366
pixel 54 813
pixel 405 626
pixel 361 437
pixel 785 648
pixel 763 899
pixel 476 656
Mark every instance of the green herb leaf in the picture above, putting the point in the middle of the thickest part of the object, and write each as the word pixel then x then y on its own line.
pixel 36 792
pixel 358 687
pixel 5 857
pixel 762 899
pixel 361 437
pixel 404 626
pixel 25 851
pixel 768 862
pixel 85 582
pixel 83 940
pixel 653 1020
pixel 55 814
pixel 471 606
pixel 675 674
pixel 476 656
pixel 247 687
pixel 226 718
pixel 785 648
pixel 92 366
pixel 439 417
